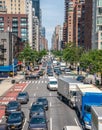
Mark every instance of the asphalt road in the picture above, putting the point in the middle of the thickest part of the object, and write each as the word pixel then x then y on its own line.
pixel 58 114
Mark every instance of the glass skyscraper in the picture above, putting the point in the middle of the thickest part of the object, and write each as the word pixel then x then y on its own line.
pixel 36 6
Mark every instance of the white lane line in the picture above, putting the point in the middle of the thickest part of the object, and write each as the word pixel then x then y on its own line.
pixel 50 94
pixel 50 123
pixel 50 104
pixel 34 94
pixel 35 81
pixel 38 82
pixel 24 123
pixel 76 121
pixel 45 81
pixel 37 88
pixel 42 81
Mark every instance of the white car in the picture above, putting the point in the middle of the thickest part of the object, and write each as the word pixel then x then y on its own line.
pixel 52 84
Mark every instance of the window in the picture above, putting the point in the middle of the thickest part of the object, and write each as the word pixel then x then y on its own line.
pixel 99 2
pixel 99 20
pixel 1 18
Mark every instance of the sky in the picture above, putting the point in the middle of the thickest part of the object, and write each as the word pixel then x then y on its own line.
pixel 52 15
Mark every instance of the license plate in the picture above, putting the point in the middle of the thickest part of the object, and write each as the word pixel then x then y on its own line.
pixel 13 127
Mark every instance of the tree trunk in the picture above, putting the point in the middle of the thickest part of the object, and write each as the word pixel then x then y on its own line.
pixel 101 78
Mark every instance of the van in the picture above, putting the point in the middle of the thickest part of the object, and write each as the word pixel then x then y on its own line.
pixel 52 84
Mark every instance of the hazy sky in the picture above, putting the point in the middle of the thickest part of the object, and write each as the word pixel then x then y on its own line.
pixel 52 15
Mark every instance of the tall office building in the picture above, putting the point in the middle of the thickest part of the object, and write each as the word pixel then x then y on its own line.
pixel 96 24
pixel 36 6
pixel 13 6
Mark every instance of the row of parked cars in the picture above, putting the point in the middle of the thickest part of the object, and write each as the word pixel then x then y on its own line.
pixel 15 117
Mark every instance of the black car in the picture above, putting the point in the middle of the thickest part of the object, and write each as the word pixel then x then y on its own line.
pixel 80 78
pixel 44 101
pixel 38 122
pixel 11 107
pixel 3 127
pixel 31 77
pixel 36 109
pixel 15 120
pixel 58 72
pixel 23 97
pixel 40 73
pixel 50 74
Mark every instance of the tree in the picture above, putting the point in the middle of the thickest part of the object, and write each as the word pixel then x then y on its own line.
pixel 72 53
pixel 93 61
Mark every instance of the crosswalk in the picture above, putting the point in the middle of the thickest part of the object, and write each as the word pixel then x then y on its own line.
pixel 34 81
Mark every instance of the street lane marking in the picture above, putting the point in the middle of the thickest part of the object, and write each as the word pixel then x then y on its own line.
pixel 76 121
pixel 37 88
pixel 38 82
pixel 42 81
pixel 50 104
pixel 45 81
pixel 35 81
pixel 50 94
pixel 24 123
pixel 34 94
pixel 50 123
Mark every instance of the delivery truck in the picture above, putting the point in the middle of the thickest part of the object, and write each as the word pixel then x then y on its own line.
pixel 67 88
pixel 86 97
pixel 96 118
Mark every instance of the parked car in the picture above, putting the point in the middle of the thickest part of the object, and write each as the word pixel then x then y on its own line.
pixel 15 120
pixel 3 127
pixel 44 101
pixel 36 109
pixel 12 106
pixel 23 97
pixel 38 122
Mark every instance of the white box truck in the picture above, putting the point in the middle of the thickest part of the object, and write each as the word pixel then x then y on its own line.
pixel 96 118
pixel 67 88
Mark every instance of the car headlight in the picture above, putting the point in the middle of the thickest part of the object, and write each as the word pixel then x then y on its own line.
pixel 87 123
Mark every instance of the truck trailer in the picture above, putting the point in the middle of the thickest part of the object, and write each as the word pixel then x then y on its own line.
pixel 86 97
pixel 67 88
pixel 96 118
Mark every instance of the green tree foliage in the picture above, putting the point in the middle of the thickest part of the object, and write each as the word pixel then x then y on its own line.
pixel 92 60
pixel 72 53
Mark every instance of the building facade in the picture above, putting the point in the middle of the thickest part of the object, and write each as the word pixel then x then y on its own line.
pixel 9 48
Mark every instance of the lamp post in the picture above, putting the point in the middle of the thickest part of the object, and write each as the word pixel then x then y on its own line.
pixel 13 67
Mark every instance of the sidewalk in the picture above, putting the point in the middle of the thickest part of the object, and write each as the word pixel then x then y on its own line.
pixel 6 83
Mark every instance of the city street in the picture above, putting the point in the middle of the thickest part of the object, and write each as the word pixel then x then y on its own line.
pixel 58 114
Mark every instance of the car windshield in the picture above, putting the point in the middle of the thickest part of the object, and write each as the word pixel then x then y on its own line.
pixel 36 107
pixel 12 104
pixel 73 93
pixel 87 108
pixel 53 82
pixel 38 120
pixel 22 94
pixel 14 116
pixel 41 100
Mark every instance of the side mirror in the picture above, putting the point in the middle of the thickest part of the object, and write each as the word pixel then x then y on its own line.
pixel 47 121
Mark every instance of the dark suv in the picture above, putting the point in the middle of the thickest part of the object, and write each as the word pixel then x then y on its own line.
pixel 15 120
pixel 38 122
pixel 11 107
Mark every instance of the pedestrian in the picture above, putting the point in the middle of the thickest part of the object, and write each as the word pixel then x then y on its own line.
pixel 78 69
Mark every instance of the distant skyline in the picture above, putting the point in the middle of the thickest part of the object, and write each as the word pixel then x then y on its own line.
pixel 52 15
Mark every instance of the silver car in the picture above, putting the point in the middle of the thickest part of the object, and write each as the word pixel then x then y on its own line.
pixel 23 97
